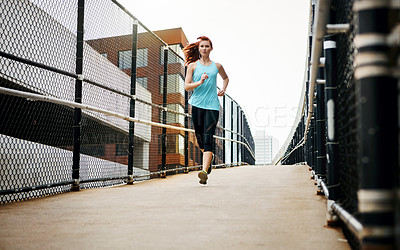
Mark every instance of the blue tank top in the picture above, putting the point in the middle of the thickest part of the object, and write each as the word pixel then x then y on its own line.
pixel 205 96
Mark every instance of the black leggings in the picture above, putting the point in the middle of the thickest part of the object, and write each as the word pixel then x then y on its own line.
pixel 204 122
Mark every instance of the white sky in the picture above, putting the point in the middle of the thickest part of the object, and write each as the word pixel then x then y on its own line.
pixel 262 45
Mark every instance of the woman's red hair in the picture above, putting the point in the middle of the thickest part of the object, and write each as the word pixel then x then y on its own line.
pixel 191 51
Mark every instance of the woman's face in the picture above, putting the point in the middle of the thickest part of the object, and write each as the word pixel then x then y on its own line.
pixel 205 47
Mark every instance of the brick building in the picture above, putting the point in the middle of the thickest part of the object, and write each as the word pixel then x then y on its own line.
pixel 150 57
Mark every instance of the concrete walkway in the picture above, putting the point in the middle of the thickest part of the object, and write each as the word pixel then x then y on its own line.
pixel 255 207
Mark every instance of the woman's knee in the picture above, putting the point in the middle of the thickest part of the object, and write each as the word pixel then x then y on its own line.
pixel 208 142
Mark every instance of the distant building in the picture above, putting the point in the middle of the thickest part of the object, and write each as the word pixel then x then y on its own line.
pixel 266 146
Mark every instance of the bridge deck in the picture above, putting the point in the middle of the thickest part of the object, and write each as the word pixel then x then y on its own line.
pixel 254 207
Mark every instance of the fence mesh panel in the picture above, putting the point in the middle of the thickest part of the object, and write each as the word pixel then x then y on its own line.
pixel 38 49
pixel 35 143
pixel 348 119
pixel 105 139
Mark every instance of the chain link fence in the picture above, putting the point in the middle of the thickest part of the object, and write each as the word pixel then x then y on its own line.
pixel 90 97
pixel 341 132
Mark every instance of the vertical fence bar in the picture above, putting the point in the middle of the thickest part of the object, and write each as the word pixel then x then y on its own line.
pixel 320 129
pixel 314 142
pixel 297 155
pixel 294 141
pixel 310 148
pixel 303 150
pixel 245 134
pixel 132 101
pixel 297 142
pixel 307 149
pixel 331 135
pixel 303 155
pixel 242 133
pixel 378 132
pixel 78 97
pixel 164 114
pixel 231 132
pixel 223 131
pixel 244 157
pixel 186 126
pixel 238 132
pixel 397 200
pixel 311 145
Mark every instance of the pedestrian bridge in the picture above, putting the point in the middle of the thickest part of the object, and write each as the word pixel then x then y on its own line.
pixel 248 207
pixel 92 100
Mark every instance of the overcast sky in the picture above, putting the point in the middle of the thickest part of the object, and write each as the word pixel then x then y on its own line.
pixel 262 45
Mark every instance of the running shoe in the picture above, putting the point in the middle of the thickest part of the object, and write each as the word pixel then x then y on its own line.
pixel 203 177
pixel 210 167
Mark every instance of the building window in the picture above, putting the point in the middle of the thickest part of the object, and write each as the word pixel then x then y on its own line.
pixel 121 149
pixel 172 57
pixel 142 57
pixel 175 84
pixel 142 81
pixel 181 146
pixel 175 144
pixel 125 58
pixel 172 117
pixel 93 150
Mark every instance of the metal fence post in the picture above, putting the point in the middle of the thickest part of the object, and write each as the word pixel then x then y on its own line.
pixel 303 148
pixel 302 152
pixel 238 132
pixel 223 125
pixel 132 101
pixel 296 152
pixel 245 134
pixel 314 142
pixel 164 114
pixel 331 127
pixel 379 129
pixel 320 129
pixel 297 142
pixel 232 131
pixel 78 98
pixel 186 132
pixel 242 133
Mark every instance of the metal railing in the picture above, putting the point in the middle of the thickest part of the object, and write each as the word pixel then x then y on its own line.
pixel 340 130
pixel 90 97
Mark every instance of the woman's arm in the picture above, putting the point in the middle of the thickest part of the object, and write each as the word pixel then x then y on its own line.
pixel 225 79
pixel 189 84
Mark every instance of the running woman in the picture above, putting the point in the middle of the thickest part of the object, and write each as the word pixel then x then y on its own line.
pixel 201 77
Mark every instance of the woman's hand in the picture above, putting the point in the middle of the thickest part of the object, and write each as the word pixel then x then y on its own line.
pixel 203 77
pixel 221 93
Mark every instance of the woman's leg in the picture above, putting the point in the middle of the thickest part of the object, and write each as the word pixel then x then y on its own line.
pixel 198 116
pixel 198 124
pixel 210 123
